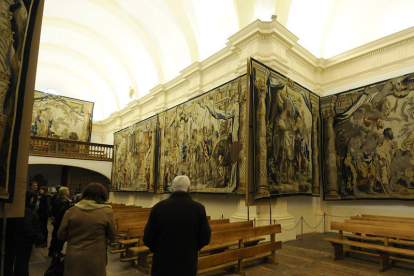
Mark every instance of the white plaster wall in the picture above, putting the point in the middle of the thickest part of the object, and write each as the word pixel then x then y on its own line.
pixel 96 139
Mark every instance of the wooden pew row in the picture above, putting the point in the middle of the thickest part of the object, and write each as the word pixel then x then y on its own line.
pixel 239 255
pixel 129 214
pixel 385 234
pixel 387 218
pixel 139 220
pixel 124 224
pixel 134 236
pixel 217 245
pixel 128 209
pixel 115 204
pixel 399 225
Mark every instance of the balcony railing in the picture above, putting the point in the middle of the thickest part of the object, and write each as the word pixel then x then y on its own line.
pixel 49 147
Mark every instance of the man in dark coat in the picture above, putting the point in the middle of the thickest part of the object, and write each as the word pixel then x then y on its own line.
pixel 44 211
pixel 176 230
pixel 21 234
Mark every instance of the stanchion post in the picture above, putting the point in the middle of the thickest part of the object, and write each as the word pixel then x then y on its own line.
pixel 301 228
pixel 270 210
pixel 324 223
pixel 254 222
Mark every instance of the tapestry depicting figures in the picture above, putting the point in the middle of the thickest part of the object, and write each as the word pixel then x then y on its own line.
pixel 205 139
pixel 61 117
pixel 286 124
pixel 15 41
pixel 134 163
pixel 369 141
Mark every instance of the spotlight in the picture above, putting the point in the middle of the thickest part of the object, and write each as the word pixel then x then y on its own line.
pixel 274 16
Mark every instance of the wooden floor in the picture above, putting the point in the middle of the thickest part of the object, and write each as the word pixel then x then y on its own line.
pixel 308 256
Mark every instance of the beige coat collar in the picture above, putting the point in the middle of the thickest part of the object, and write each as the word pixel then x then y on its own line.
pixel 86 204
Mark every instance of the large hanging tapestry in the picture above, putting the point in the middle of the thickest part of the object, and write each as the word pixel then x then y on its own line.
pixel 134 165
pixel 17 20
pixel 369 141
pixel 61 117
pixel 205 139
pixel 286 124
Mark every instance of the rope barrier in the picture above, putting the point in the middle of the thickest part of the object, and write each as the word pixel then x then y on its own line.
pixel 302 220
pixel 293 227
pixel 311 226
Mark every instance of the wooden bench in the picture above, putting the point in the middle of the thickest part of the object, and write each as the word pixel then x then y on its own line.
pixel 376 238
pixel 243 253
pixel 138 255
pixel 386 218
pixel 218 221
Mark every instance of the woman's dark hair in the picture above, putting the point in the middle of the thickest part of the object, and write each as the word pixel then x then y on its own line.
pixel 95 191
pixel 44 188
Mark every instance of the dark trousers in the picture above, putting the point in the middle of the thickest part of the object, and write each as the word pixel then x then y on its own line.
pixel 56 245
pixel 43 226
pixel 18 257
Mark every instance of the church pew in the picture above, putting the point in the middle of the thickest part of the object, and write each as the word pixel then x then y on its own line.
pixel 218 221
pixel 143 252
pixel 387 218
pixel 130 214
pixel 406 225
pixel 123 224
pixel 238 256
pixel 363 239
pixel 115 204
pixel 126 209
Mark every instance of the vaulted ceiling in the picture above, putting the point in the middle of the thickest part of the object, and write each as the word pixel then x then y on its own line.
pixel 98 50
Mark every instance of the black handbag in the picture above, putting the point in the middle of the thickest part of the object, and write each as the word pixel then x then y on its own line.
pixel 57 267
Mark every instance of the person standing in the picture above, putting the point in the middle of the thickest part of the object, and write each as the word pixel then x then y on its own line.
pixel 22 234
pixel 44 212
pixel 33 186
pixel 55 196
pixel 59 208
pixel 87 227
pixel 176 230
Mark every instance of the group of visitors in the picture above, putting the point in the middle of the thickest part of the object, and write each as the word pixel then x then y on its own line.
pixel 176 230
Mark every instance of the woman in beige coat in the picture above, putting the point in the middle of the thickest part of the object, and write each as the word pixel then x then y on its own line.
pixel 87 227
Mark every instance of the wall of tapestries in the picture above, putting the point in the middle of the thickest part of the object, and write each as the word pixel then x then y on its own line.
pixel 203 138
pixel 267 134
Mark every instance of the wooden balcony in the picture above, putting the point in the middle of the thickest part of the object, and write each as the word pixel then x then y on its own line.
pixel 48 147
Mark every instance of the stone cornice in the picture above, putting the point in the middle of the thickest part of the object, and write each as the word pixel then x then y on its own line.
pixel 370 49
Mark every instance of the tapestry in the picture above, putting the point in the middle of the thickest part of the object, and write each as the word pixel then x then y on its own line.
pixel 61 117
pixel 17 20
pixel 285 130
pixel 369 141
pixel 205 139
pixel 134 165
